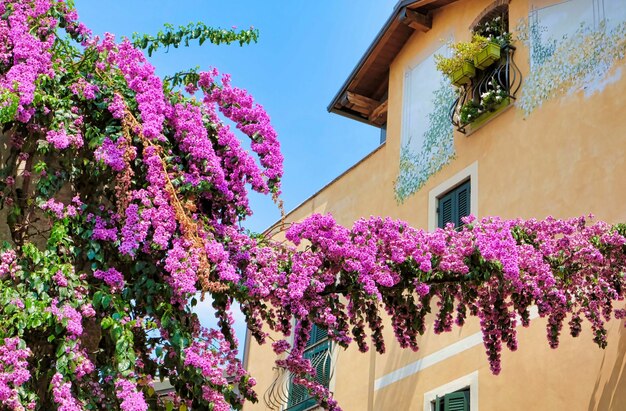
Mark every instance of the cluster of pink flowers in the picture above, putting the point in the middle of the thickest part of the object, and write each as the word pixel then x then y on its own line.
pixel 112 278
pixel 153 213
pixel 215 398
pixel 60 279
pixel 135 230
pixel 102 230
pixel 70 315
pixel 13 372
pixel 28 51
pixel 8 263
pixel 141 79
pixel 62 394
pixel 237 105
pixel 84 89
pixel 117 106
pixel 84 366
pixel 193 137
pixel 205 359
pixel 182 264
pixel 131 399
pixel 112 154
pixel 59 209
pixel 549 263
pixel 61 140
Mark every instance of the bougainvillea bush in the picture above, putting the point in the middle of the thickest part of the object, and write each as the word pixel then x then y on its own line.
pixel 124 196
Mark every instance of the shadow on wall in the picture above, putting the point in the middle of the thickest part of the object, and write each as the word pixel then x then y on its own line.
pixel 611 395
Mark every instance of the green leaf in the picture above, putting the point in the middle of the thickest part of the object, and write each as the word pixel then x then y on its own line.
pixel 123 365
pixel 116 332
pixel 106 323
pixel 106 300
pixel 97 300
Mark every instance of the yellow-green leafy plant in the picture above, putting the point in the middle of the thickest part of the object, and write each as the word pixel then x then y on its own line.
pixel 461 52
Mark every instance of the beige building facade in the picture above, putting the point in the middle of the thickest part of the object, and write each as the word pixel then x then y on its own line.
pixel 556 148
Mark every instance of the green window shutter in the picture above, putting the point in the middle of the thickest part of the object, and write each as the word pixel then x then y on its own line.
pixel 317 334
pixel 463 202
pixel 454 205
pixel 446 209
pixel 456 401
pixel 317 352
pixel 299 398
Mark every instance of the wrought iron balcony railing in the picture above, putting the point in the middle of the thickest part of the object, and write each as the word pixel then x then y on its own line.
pixel 283 394
pixel 504 74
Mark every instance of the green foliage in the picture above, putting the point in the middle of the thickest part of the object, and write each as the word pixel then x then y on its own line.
pixel 182 78
pixel 182 35
pixel 470 112
pixel 461 52
pixel 8 107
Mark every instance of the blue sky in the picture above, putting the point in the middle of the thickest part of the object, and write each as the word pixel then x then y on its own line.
pixel 306 50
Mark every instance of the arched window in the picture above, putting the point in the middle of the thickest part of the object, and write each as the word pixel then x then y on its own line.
pixel 496 11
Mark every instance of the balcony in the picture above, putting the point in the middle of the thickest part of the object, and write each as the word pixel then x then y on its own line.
pixel 284 394
pixel 486 94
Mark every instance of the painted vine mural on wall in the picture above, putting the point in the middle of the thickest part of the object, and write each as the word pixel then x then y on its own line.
pixel 427 136
pixel 574 47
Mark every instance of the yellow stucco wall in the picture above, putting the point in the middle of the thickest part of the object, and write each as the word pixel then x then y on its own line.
pixel 565 159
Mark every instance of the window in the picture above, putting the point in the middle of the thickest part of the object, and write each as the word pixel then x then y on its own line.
pixel 454 401
pixel 318 352
pixel 458 395
pixel 454 205
pixel 468 174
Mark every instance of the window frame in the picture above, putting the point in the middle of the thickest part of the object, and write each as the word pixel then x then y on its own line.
pixel 454 196
pixel 469 173
pixel 469 380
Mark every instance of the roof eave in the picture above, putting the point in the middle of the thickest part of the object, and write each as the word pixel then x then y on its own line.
pixel 367 53
pixel 365 81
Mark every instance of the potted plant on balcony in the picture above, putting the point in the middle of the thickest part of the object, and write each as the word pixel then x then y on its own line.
pixel 494 98
pixel 497 37
pixel 488 55
pixel 477 111
pixel 459 67
pixel 470 111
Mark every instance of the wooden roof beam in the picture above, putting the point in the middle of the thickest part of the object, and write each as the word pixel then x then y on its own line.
pixel 415 20
pixel 356 102
pixel 380 112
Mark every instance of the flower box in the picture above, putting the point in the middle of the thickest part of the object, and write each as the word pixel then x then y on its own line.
pixel 487 56
pixel 490 113
pixel 463 74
